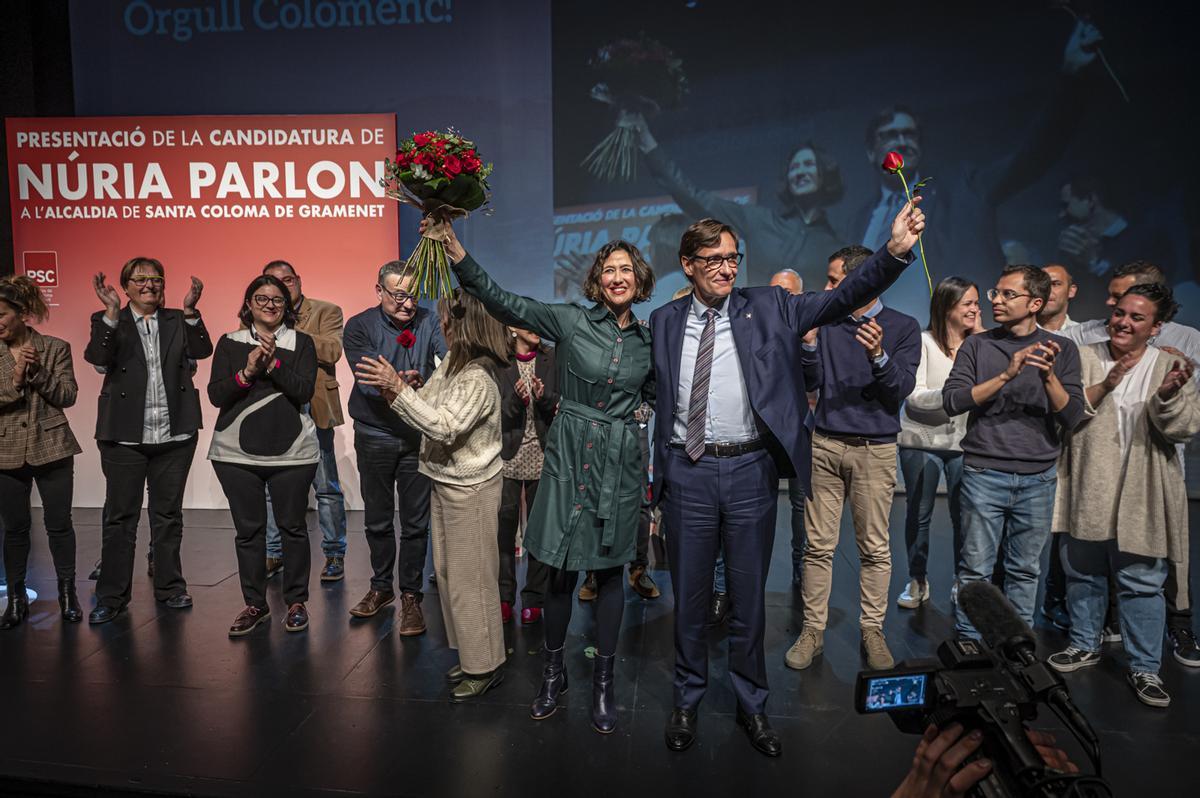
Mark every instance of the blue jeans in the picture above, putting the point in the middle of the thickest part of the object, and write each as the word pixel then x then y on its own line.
pixel 922 468
pixel 1009 513
pixel 1142 607
pixel 331 504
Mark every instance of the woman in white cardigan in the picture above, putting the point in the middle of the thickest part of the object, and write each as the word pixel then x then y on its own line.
pixel 458 413
pixel 929 440
pixel 1121 497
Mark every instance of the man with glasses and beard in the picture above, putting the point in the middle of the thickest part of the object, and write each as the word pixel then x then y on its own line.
pixel 409 337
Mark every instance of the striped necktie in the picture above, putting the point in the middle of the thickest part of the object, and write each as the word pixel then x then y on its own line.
pixel 698 405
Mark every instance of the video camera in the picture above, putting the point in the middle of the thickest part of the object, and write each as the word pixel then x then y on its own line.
pixel 994 686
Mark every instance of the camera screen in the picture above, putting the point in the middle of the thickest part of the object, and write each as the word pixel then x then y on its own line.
pixel 896 692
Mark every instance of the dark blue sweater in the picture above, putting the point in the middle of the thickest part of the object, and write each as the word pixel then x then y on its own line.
pixel 859 398
pixel 372 333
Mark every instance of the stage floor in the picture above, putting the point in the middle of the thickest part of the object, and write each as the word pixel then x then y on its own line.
pixel 163 702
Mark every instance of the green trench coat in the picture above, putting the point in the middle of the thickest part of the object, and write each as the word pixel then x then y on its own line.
pixel 585 514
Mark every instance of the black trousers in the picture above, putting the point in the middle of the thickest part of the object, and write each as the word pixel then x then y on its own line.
pixel 244 486
pixel 162 468
pixel 55 482
pixel 387 468
pixel 536 573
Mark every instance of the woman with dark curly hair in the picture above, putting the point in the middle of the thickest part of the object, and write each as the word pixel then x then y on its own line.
pixel 1121 497
pixel 585 515
pixel 262 376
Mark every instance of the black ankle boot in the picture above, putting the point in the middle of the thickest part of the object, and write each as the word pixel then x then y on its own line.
pixel 554 684
pixel 604 701
pixel 68 601
pixel 18 607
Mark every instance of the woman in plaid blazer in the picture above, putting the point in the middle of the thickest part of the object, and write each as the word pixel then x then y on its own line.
pixel 36 445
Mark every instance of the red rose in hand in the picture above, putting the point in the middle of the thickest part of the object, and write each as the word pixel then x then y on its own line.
pixel 422 139
pixel 452 166
pixel 893 162
pixel 406 339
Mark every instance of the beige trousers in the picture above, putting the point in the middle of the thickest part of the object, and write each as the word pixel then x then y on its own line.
pixel 866 476
pixel 463 523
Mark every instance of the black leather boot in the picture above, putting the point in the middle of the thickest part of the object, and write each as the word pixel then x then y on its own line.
pixel 554 684
pixel 18 607
pixel 68 601
pixel 604 701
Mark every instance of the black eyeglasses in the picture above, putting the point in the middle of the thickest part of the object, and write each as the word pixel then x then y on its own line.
pixel 262 301
pixel 1008 294
pixel 713 262
pixel 400 296
pixel 142 280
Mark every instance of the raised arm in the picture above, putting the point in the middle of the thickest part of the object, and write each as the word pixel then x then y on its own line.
pixel 802 312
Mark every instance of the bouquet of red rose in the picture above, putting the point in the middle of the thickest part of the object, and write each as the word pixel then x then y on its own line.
pixel 634 75
pixel 442 174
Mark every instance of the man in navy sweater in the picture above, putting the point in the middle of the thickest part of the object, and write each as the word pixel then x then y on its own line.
pixel 865 366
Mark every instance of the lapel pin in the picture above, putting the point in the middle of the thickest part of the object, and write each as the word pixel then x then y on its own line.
pixel 748 315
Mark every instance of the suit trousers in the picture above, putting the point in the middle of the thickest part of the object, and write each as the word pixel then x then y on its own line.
pixel 866 476
pixel 728 503
pixel 129 471
pixel 536 574
pixel 55 483
pixel 245 487
pixel 463 521
pixel 387 469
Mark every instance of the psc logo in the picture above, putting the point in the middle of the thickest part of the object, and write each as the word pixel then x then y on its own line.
pixel 42 268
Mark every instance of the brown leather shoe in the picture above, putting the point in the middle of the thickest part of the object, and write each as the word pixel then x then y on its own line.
pixel 412 621
pixel 373 602
pixel 587 591
pixel 297 618
pixel 247 620
pixel 274 566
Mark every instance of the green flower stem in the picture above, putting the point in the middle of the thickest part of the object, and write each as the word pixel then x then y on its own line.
pixel 920 237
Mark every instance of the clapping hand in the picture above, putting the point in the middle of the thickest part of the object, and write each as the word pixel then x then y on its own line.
pixel 531 389
pixel 193 296
pixel 1081 47
pixel 1181 371
pixel 1119 370
pixel 1041 356
pixel 108 296
pixel 25 357
pixel 906 228
pixel 870 335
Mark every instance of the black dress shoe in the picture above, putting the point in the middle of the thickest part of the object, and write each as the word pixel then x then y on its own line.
pixel 68 601
pixel 179 601
pixel 719 609
pixel 764 739
pixel 681 729
pixel 103 614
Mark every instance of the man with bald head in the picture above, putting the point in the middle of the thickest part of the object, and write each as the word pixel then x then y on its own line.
pixel 789 281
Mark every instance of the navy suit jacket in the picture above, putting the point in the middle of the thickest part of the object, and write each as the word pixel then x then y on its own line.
pixel 767 325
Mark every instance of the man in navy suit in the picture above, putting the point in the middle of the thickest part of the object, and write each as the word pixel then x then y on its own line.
pixel 731 418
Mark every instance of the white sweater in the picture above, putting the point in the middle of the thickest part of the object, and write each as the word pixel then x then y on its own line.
pixel 459 419
pixel 923 424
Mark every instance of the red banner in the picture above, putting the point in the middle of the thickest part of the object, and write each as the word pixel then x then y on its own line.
pixel 216 197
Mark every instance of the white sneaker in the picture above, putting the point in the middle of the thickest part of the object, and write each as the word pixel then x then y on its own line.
pixel 914 595
pixel 954 593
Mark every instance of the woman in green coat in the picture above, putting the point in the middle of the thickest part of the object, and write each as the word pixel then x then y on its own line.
pixel 585 515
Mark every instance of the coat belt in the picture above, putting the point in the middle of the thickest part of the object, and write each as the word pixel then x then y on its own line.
pixel 606 504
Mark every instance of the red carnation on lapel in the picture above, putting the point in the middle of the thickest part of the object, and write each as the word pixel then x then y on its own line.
pixel 406 339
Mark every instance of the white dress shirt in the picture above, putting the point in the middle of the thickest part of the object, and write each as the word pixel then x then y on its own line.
pixel 728 418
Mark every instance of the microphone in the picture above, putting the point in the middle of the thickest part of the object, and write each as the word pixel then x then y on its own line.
pixel 997 621
pixel 1003 630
